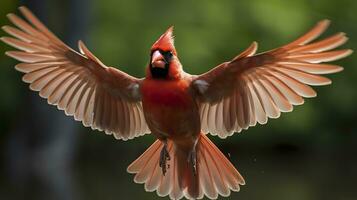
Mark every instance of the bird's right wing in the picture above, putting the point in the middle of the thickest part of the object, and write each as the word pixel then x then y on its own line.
pixel 79 83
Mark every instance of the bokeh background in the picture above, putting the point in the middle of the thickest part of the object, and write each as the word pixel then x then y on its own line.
pixel 309 154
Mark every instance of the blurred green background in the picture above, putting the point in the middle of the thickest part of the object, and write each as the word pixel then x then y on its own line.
pixel 308 154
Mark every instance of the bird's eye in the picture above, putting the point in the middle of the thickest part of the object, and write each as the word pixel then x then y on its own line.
pixel 168 55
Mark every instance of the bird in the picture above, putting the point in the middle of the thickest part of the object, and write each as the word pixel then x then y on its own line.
pixel 179 109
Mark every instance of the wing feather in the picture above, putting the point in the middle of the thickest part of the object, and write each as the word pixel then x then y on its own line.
pixel 254 87
pixel 78 83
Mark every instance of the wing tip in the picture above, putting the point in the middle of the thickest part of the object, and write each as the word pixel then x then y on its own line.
pixel 26 12
pixel 85 51
pixel 348 52
pixel 322 26
pixel 5 27
pixel 9 53
pixel 325 22
pixel 81 46
pixel 339 69
pixel 327 82
pixel 23 8
pixel 343 54
pixel 80 43
pixel 254 46
pixel 3 39
pixel 250 51
pixel 10 15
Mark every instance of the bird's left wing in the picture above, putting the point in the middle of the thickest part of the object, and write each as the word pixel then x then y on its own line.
pixel 254 87
pixel 102 97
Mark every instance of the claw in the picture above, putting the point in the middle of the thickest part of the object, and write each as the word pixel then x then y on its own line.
pixel 164 157
pixel 193 160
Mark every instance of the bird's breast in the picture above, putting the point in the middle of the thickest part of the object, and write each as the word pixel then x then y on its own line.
pixel 172 94
pixel 169 107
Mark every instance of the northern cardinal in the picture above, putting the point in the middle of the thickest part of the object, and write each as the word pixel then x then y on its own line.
pixel 176 107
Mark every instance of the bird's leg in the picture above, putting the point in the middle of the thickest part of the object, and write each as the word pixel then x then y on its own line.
pixel 192 157
pixel 164 157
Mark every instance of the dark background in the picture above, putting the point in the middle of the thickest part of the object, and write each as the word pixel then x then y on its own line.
pixel 308 154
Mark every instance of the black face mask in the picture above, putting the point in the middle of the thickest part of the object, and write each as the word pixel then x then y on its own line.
pixel 157 72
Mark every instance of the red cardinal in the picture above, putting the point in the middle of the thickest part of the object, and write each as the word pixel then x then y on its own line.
pixel 176 107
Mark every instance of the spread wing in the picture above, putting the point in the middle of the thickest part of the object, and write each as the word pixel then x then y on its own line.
pixel 254 87
pixel 78 83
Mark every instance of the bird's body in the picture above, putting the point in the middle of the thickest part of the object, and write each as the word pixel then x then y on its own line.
pixel 176 107
pixel 159 104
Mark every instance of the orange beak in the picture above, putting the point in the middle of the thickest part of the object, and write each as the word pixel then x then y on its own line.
pixel 158 60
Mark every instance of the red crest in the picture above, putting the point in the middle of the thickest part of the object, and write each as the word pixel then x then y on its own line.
pixel 165 42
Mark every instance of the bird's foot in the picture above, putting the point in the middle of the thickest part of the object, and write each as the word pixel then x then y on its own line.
pixel 164 157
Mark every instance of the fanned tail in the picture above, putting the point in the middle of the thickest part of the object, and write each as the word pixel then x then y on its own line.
pixel 218 176
pixel 148 171
pixel 215 173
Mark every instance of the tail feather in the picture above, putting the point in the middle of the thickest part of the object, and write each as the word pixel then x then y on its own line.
pixel 222 175
pixel 189 182
pixel 215 174
pixel 215 184
pixel 146 163
pixel 148 171
pixel 138 164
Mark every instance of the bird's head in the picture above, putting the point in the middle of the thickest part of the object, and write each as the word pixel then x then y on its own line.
pixel 164 63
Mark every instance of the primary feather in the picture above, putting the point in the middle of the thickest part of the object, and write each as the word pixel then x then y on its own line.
pixel 254 87
pixel 78 83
